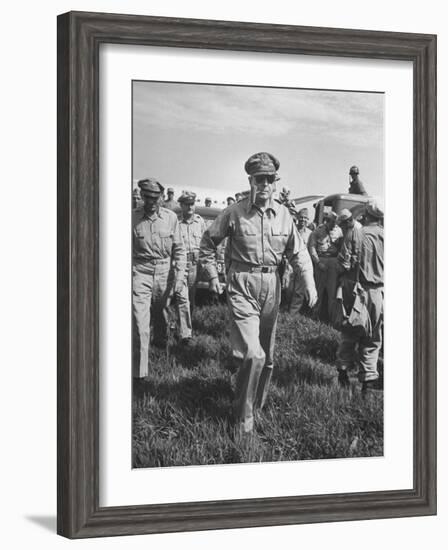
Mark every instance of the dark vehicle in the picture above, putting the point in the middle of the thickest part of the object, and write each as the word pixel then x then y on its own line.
pixel 337 202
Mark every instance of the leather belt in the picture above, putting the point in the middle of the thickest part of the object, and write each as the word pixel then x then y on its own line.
pixel 237 266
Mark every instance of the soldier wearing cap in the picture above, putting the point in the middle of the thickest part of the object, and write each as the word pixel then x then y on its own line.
pixel 368 275
pixel 323 245
pixel 192 227
pixel 230 200
pixel 208 202
pixel 158 262
pixel 260 232
pixel 297 287
pixel 170 203
pixel 136 198
pixel 356 186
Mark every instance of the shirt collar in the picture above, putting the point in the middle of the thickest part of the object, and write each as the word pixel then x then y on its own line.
pixel 152 217
pixel 272 205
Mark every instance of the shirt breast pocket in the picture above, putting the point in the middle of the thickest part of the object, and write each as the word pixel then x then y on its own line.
pixel 245 229
pixel 279 237
pixel 164 239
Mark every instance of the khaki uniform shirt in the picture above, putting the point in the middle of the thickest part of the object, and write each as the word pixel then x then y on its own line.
pixel 157 237
pixel 324 243
pixel 256 238
pixel 305 234
pixel 371 257
pixel 192 231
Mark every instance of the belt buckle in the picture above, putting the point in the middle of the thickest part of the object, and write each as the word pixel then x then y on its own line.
pixel 265 269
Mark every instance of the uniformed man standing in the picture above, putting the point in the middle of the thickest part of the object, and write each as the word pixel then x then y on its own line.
pixel 192 227
pixel 208 202
pixel 158 262
pixel 170 203
pixel 369 279
pixel 356 185
pixel 297 284
pixel 323 245
pixel 260 232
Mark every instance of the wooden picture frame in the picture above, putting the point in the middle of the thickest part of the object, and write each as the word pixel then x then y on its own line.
pixel 79 38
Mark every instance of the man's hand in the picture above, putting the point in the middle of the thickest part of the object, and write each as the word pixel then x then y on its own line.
pixel 214 285
pixel 311 296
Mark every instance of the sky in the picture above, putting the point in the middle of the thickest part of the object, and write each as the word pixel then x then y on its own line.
pixel 198 136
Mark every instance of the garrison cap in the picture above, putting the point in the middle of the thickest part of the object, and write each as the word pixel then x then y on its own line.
pixel 151 184
pixel 303 212
pixel 261 163
pixel 344 215
pixel 354 170
pixel 187 196
pixel 170 190
pixel 207 199
pixel 374 210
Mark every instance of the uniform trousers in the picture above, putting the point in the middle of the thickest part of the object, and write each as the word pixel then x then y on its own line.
pixel 254 300
pixel 326 286
pixel 185 300
pixel 358 348
pixel 150 291
pixel 298 293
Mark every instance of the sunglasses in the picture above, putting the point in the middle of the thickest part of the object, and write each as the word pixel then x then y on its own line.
pixel 270 178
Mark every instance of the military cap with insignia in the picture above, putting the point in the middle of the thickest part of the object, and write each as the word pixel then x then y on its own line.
pixel 151 185
pixel 261 163
pixel 187 196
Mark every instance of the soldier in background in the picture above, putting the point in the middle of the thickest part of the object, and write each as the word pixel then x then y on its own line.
pixel 238 196
pixel 230 200
pixel 192 226
pixel 158 262
pixel 297 288
pixel 260 232
pixel 364 331
pixel 356 186
pixel 208 202
pixel 170 203
pixel 323 245
pixel 136 199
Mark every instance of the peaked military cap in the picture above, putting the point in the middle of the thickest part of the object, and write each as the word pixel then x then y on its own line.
pixel 261 163
pixel 151 185
pixel 170 190
pixel 207 199
pixel 187 196
pixel 303 212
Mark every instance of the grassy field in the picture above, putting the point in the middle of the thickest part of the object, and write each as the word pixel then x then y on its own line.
pixel 181 411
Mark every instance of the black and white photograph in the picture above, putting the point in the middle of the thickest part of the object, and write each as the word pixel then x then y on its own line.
pixel 257 274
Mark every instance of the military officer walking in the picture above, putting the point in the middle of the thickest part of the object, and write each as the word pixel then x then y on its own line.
pixel 158 262
pixel 192 227
pixel 260 232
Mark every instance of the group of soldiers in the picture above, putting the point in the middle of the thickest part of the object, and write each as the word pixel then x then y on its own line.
pixel 340 259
